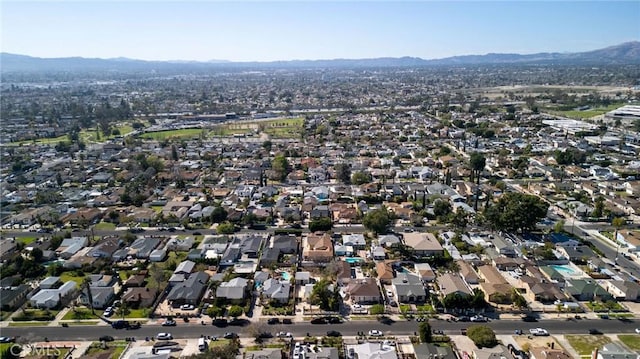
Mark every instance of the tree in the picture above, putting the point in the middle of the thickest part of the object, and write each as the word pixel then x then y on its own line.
pixel 123 310
pixel 598 208
pixel 280 165
pixel 86 283
pixel 360 178
pixel 559 226
pixel 174 152
pixel 235 311
pixel 516 211
pixel 323 297
pixel 36 254
pixel 441 208
pixel 343 173
pixel 227 351
pixel 320 224
pixel 377 220
pixel 424 330
pixel 218 214
pixel 482 336
pixel 267 145
pixel 226 228
pixel 215 311
pixel 477 162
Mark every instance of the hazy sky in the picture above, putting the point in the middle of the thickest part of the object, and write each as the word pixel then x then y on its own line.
pixel 285 30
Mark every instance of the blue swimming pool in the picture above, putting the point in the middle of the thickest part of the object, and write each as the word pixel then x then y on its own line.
pixel 286 275
pixel 352 260
pixel 563 269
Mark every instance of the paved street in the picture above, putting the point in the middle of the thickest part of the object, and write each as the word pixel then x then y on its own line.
pixel 560 326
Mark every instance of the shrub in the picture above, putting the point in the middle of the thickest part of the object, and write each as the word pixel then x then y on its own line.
pixel 482 336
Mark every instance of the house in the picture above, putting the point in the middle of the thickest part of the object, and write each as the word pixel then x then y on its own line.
pixel 496 289
pixel 136 280
pixel 106 247
pixel 357 240
pixel 615 351
pixel 275 290
pixel 235 289
pixel 281 244
pixel 190 291
pixel 623 290
pixel 363 290
pixel 158 255
pixel 51 298
pixel 388 240
pixel 102 289
pixel 468 273
pixel 450 283
pixel 185 268
pixel 409 288
pixel 318 248
pixel 71 246
pixel 369 350
pixel 302 278
pixel 344 273
pixel 579 254
pixel 264 353
pixel 180 244
pixel 378 253
pixel 50 283
pixel 341 250
pixel 431 351
pixel 322 352
pixel 139 297
pixel 425 272
pixel 385 272
pixel 143 247
pixel 12 297
pixel 423 244
pixel 586 290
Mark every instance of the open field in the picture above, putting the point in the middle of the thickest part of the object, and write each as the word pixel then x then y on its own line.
pixel 586 113
pixel 632 341
pixel 104 226
pixel 40 141
pixel 175 134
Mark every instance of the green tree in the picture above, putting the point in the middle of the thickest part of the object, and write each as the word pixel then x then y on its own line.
pixel 343 172
pixel 598 207
pixel 215 311
pixel 281 166
pixel 267 145
pixel 559 226
pixel 516 211
pixel 360 178
pixel 377 220
pixel 218 214
pixel 123 310
pixel 441 208
pixel 235 311
pixel 226 228
pixel 424 330
pixel 477 162
pixel 320 224
pixel 482 336
pixel 322 296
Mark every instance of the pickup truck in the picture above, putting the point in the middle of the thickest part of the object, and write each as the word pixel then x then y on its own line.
pixel 539 332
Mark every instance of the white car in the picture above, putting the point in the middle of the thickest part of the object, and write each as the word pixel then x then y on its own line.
pixel 478 319
pixel 638 330
pixel 539 332
pixel 164 336
pixel 375 333
pixel 187 307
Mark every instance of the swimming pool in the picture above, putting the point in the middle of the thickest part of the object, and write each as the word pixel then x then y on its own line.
pixel 352 260
pixel 563 269
pixel 286 275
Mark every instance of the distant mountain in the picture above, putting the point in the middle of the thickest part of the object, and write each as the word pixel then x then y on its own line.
pixel 626 53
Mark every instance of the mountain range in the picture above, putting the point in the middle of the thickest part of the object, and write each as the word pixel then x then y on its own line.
pixel 626 53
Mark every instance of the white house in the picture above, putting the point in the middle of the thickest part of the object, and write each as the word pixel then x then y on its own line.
pixel 50 298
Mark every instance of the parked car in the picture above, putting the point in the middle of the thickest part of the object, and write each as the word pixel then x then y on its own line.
pixel 375 333
pixel 7 340
pixel 273 321
pixel 320 320
pixel 187 307
pixel 333 333
pixel 120 324
pixel 334 320
pixel 230 335
pixel 286 321
pixel 529 318
pixel 594 331
pixel 478 319
pixel 164 336
pixel 638 330
pixel 464 318
pixel 220 322
pixel 284 335
pixel 108 312
pixel 106 338
pixel 169 323
pixel 539 332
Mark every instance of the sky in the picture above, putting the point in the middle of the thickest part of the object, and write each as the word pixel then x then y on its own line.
pixel 202 30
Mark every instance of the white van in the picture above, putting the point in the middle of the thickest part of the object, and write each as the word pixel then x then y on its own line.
pixel 202 344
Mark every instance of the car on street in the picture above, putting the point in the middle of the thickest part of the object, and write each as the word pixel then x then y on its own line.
pixel 106 338
pixel 464 318
pixel 320 320
pixel 273 321
pixel 169 323
pixel 529 318
pixel 539 332
pixel 334 320
pixel 638 330
pixel 187 307
pixel 120 324
pixel 333 333
pixel 478 319
pixel 6 340
pixel 375 333
pixel 286 321
pixel 594 331
pixel 284 335
pixel 164 336
pixel 230 335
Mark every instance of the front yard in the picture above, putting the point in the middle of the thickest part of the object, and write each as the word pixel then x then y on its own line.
pixel 114 349
pixel 35 315
pixel 632 341
pixel 585 344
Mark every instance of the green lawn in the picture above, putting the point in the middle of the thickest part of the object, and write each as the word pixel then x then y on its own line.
pixel 115 348
pixel 630 340
pixel 27 324
pixel 71 275
pixel 26 240
pixel 585 344
pixel 157 209
pixel 105 226
pixel 28 315
pixel 80 313
pixel 83 322
pixel 40 141
pixel 587 113
pixel 183 133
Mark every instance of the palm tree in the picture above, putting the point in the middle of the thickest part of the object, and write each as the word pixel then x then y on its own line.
pixel 124 309
pixel 86 283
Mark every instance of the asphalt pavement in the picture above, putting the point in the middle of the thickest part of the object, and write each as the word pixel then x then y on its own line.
pixel 351 328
